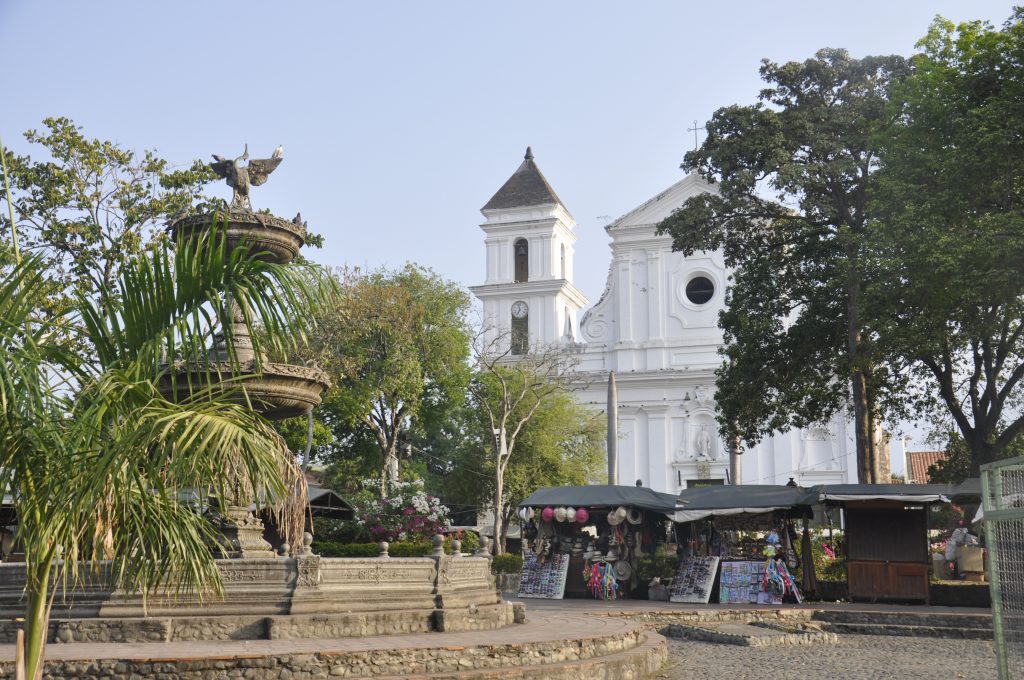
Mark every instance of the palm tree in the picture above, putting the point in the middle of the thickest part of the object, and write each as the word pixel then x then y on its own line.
pixel 95 457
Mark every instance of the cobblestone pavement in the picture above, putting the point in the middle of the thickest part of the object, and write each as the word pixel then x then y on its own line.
pixel 855 657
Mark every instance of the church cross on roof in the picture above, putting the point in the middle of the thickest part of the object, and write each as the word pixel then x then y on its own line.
pixel 526 187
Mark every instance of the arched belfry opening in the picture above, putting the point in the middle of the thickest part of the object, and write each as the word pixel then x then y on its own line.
pixel 521 257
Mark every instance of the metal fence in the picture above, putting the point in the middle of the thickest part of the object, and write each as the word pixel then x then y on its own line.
pixel 1002 487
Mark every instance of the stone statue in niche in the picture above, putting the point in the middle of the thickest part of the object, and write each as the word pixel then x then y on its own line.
pixel 703 444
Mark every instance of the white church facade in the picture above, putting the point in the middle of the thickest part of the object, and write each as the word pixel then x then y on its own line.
pixel 655 327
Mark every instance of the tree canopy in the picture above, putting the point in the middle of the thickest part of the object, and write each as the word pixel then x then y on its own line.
pixel 948 297
pixel 396 345
pixel 790 213
pixel 559 442
pixel 92 453
pixel 86 206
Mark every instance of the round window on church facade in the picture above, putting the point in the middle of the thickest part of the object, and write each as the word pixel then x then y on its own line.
pixel 699 290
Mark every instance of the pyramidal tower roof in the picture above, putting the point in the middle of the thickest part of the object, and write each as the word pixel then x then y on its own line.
pixel 526 187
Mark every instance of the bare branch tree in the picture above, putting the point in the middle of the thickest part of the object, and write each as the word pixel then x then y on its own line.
pixel 509 389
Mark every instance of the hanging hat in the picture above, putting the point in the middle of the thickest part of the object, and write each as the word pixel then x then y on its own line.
pixel 547 514
pixel 582 515
pixel 614 519
pixel 623 570
pixel 526 514
pixel 559 514
pixel 634 516
pixel 570 514
pixel 620 512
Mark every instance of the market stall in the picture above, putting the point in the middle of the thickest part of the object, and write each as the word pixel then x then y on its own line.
pixel 585 541
pixel 887 555
pixel 746 535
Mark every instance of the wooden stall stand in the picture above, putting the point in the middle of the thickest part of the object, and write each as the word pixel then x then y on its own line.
pixel 887 550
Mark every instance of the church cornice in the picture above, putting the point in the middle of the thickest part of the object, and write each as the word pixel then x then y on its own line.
pixel 526 288
pixel 667 378
pixel 530 229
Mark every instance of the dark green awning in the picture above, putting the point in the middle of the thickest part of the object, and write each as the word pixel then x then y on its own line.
pixel 602 495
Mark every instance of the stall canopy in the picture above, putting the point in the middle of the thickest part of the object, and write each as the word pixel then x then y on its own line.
pixel 326 503
pixel 710 501
pixel 911 493
pixel 967 491
pixel 600 496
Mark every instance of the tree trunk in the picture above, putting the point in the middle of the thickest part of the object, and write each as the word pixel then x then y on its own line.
pixel 858 382
pixel 37 619
pixel 506 523
pixel 499 482
pixel 982 452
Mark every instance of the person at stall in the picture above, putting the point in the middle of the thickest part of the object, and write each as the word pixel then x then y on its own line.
pixel 960 536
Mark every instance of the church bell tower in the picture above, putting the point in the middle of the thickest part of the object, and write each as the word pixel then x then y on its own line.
pixel 528 296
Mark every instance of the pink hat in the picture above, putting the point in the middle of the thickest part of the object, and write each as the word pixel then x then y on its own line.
pixel 582 515
pixel 547 514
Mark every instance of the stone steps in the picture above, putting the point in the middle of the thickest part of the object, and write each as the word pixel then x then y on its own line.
pixel 903 618
pixel 949 632
pixel 569 647
pixel 641 661
pixel 910 624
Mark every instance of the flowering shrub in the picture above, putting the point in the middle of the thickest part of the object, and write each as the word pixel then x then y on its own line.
pixel 828 567
pixel 407 514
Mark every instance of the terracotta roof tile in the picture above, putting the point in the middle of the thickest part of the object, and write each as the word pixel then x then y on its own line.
pixel 918 463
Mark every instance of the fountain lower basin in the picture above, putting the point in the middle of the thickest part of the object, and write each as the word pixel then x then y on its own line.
pixel 274 390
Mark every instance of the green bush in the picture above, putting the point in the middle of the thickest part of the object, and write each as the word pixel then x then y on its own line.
pixel 825 568
pixel 470 541
pixel 662 563
pixel 336 549
pixel 410 549
pixel 507 563
pixel 328 548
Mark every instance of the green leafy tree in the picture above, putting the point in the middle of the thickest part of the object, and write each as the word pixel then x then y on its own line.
pixel 790 213
pixel 949 296
pixel 88 205
pixel 92 453
pixel 958 464
pixel 396 345
pixel 509 393
pixel 562 444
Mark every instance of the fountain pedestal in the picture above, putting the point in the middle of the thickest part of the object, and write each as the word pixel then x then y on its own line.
pixel 240 533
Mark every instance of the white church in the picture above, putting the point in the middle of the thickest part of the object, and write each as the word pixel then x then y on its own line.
pixel 655 327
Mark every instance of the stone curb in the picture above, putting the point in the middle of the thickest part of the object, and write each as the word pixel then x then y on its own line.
pixel 786 639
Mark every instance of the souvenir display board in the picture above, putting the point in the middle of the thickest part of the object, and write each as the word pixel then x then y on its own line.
pixel 545 580
pixel 694 580
pixel 743 583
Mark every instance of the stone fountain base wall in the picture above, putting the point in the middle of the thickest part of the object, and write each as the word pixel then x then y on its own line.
pixel 281 598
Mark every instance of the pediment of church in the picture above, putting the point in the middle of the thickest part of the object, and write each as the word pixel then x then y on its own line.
pixel 661 206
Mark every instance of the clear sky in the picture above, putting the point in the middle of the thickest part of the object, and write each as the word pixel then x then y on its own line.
pixel 400 119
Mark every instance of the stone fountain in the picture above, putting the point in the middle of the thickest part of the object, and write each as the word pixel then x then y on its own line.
pixel 275 390
pixel 268 595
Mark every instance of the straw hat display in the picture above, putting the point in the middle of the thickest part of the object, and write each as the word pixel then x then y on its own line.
pixel 559 514
pixel 582 515
pixel 634 516
pixel 570 514
pixel 547 514
pixel 526 514
pixel 616 516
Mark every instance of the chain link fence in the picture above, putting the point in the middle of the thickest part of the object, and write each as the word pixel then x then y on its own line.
pixel 1002 487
